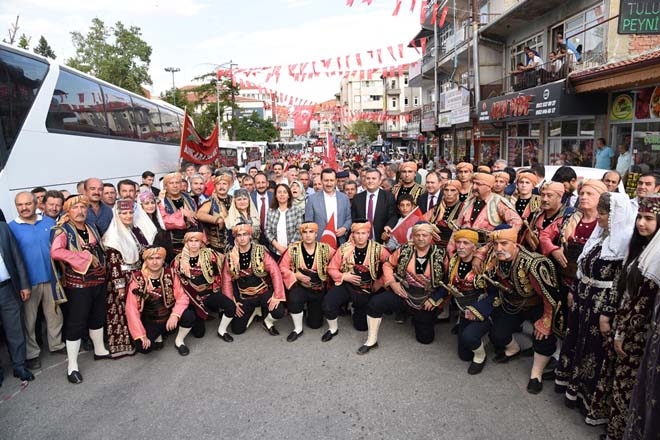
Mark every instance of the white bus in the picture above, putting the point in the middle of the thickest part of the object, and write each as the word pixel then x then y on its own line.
pixel 59 126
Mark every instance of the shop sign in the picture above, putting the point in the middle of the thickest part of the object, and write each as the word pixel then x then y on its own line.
pixel 639 17
pixel 622 107
pixel 444 119
pixel 653 140
pixel 457 103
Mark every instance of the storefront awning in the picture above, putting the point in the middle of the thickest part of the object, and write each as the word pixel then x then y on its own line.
pixel 637 71
pixel 542 102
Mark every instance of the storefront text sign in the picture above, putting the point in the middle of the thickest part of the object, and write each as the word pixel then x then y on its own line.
pixel 639 17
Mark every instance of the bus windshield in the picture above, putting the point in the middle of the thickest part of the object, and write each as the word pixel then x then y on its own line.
pixel 20 80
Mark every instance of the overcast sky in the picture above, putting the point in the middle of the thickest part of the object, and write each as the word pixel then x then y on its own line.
pixel 195 34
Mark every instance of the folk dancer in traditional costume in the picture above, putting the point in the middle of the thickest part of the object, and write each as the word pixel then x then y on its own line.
pixel 525 202
pixel 356 270
pixel 414 274
pixel 552 211
pixel 464 172
pixel 469 294
pixel 156 304
pixel 245 281
pixel 77 252
pixel 594 301
pixel 304 268
pixel 629 327
pixel 527 289
pixel 200 270
pixel 213 213
pixel 179 212
pixel 123 243
pixel 446 212
pixel 407 184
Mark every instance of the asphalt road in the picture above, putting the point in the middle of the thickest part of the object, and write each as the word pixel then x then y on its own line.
pixel 261 386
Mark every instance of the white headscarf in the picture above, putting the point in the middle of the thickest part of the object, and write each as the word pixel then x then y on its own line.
pixel 120 238
pixel 234 217
pixel 143 221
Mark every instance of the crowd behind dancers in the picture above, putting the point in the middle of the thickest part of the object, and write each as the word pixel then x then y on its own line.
pixel 120 269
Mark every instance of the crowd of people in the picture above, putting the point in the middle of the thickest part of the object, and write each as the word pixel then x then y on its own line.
pixel 506 255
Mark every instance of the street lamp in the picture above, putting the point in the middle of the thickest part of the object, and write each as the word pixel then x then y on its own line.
pixel 173 70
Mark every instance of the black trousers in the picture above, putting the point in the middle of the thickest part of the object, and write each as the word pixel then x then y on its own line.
pixel 85 310
pixel 469 336
pixel 296 299
pixel 239 324
pixel 504 325
pixel 340 295
pixel 390 302
pixel 215 302
pixel 156 329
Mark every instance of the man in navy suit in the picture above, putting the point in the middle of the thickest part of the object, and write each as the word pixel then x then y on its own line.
pixel 433 195
pixel 14 289
pixel 383 205
pixel 321 205
pixel 261 198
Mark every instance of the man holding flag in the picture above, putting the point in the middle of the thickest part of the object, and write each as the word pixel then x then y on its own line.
pixel 323 205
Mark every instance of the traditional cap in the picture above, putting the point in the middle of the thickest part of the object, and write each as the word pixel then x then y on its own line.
pixel 504 232
pixel 171 176
pixel 426 227
pixel 222 177
pixel 361 225
pixel 342 175
pixel 504 174
pixel 410 164
pixel 151 251
pixel 486 179
pixel 555 187
pixel 309 225
pixel 483 169
pixel 74 200
pixel 529 176
pixel 467 165
pixel 146 196
pixel 191 235
pixel 242 227
pixel 125 204
pixel 595 184
pixel 650 203
pixel 455 183
pixel 467 234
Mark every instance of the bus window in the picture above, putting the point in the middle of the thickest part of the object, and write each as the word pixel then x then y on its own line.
pixel 171 127
pixel 121 120
pixel 147 120
pixel 20 80
pixel 77 105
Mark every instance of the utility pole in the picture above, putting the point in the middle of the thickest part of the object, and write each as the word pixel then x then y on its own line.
pixel 476 21
pixel 173 70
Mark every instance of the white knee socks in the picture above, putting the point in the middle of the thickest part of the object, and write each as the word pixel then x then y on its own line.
pixel 512 347
pixel 333 326
pixel 479 354
pixel 181 334
pixel 224 323
pixel 269 320
pixel 97 339
pixel 372 330
pixel 72 348
pixel 539 364
pixel 297 322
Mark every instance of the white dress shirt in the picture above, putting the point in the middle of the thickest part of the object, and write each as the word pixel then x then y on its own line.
pixel 330 206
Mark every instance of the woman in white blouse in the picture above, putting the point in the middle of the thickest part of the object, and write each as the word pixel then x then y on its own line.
pixel 283 220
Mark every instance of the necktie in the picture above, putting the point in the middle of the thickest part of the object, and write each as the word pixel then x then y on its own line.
pixel 262 214
pixel 431 202
pixel 370 213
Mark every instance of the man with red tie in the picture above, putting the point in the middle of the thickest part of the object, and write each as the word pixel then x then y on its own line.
pixel 377 206
pixel 261 198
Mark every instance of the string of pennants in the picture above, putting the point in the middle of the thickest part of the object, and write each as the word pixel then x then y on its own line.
pixel 426 5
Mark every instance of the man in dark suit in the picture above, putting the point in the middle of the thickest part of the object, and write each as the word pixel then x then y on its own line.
pixel 382 203
pixel 321 205
pixel 261 198
pixel 14 289
pixel 433 195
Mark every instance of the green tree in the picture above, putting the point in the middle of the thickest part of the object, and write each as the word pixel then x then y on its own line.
pixel 208 92
pixel 43 48
pixel 24 42
pixel 116 54
pixel 181 100
pixel 365 130
pixel 255 128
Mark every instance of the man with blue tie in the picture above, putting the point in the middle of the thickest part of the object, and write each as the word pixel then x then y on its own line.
pixel 379 207
pixel 14 289
pixel 322 205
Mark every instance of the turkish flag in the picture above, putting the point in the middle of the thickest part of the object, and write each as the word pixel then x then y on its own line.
pixel 329 235
pixel 302 116
pixel 330 152
pixel 401 232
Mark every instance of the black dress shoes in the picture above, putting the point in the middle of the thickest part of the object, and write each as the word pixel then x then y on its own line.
pixel 75 377
pixel 271 331
pixel 24 374
pixel 157 345
pixel 503 358
pixel 33 364
pixel 226 337
pixel 476 368
pixel 293 336
pixel 367 348
pixel 534 386
pixel 99 357
pixel 183 350
pixel 328 335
